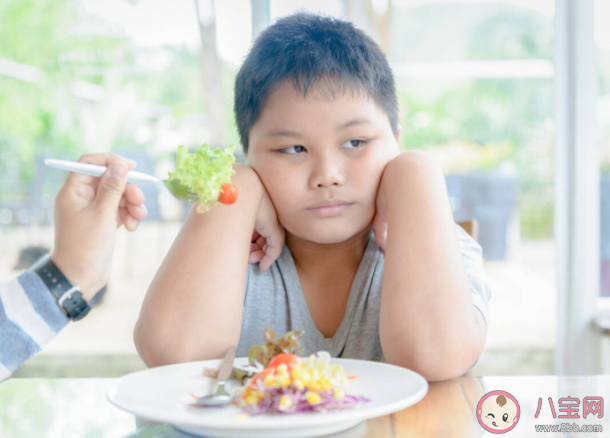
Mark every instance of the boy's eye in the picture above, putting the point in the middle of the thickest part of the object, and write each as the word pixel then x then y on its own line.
pixel 353 144
pixel 505 417
pixel 295 150
pixel 491 415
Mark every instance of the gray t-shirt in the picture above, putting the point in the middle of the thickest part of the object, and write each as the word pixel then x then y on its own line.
pixel 275 299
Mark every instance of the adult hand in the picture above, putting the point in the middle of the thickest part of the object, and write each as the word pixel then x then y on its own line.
pixel 88 210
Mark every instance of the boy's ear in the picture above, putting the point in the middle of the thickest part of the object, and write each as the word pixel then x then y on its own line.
pixel 398 132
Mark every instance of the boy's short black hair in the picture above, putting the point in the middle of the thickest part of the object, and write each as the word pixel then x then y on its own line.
pixel 305 48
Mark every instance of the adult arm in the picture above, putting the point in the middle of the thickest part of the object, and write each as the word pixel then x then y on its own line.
pixel 88 211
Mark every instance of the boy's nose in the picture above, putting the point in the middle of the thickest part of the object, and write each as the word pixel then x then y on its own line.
pixel 327 171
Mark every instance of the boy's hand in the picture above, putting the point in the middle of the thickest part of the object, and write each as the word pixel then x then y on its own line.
pixel 380 221
pixel 268 236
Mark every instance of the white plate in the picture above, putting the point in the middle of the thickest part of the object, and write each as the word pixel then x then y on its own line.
pixel 158 394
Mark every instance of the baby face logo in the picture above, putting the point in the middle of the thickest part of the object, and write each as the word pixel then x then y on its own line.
pixel 498 411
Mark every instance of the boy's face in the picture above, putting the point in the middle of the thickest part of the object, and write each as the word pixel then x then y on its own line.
pixel 321 148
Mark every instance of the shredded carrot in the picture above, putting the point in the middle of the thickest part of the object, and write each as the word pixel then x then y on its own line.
pixel 352 377
pixel 194 396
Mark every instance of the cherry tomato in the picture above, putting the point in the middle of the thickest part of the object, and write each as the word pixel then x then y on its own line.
pixel 291 360
pixel 258 376
pixel 228 194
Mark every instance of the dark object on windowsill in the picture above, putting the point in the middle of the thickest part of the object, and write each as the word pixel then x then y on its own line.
pixel 29 255
pixel 492 200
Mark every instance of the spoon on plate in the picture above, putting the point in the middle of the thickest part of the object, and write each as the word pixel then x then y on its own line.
pixel 220 396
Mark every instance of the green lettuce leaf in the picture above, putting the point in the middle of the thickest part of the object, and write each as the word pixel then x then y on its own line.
pixel 272 347
pixel 259 356
pixel 204 172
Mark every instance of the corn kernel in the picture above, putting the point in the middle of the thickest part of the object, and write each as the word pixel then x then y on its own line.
pixel 271 382
pixel 251 400
pixel 283 380
pixel 313 398
pixel 314 386
pixel 285 402
pixel 306 377
pixel 325 383
pixel 311 360
pixel 282 368
pixel 253 397
pixel 299 384
pixel 295 373
pixel 339 393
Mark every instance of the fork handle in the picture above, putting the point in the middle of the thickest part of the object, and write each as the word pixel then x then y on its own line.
pixel 98 171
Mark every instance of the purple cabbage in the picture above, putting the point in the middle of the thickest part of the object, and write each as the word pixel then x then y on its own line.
pixel 270 404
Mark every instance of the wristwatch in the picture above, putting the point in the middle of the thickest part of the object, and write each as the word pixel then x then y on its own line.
pixel 69 297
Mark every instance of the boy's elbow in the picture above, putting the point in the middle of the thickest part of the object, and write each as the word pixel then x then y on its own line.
pixel 435 371
pixel 154 350
pixel 446 372
pixel 158 348
pixel 440 364
pixel 144 346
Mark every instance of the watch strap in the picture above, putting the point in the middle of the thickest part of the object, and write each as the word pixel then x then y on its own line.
pixel 69 297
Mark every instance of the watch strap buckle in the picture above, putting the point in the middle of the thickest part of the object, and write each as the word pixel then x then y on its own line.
pixel 68 294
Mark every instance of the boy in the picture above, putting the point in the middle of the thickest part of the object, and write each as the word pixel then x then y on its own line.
pixel 317 113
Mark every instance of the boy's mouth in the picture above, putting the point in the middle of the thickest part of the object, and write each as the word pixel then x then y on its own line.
pixel 328 203
pixel 494 423
pixel 331 210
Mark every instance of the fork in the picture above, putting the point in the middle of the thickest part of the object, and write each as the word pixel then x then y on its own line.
pixel 174 186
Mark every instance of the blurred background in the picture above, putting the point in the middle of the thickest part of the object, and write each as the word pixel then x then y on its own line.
pixel 140 77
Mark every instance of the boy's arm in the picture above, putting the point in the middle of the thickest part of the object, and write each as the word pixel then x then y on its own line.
pixel 193 308
pixel 428 322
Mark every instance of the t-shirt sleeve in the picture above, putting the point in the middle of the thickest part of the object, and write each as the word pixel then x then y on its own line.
pixel 472 254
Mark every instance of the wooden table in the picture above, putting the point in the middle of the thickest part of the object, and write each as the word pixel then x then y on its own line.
pixel 78 408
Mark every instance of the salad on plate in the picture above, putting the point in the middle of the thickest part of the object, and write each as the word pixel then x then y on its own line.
pixel 277 381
